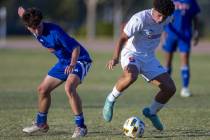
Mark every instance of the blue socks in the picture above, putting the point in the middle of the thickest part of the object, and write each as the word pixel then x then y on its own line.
pixel 185 74
pixel 79 120
pixel 41 118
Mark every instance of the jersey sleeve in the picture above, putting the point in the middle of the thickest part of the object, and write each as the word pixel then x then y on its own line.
pixel 195 9
pixel 134 25
pixel 66 41
pixel 168 20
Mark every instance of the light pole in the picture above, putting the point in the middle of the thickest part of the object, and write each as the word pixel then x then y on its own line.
pixel 117 18
pixel 3 26
pixel 91 19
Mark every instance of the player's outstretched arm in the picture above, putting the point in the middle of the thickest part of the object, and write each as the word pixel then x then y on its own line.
pixel 115 59
pixel 21 11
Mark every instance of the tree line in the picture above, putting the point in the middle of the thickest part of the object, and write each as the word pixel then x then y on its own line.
pixel 77 17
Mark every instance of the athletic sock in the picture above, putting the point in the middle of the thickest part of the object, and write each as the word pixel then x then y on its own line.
pixel 155 107
pixel 185 74
pixel 41 118
pixel 79 120
pixel 113 95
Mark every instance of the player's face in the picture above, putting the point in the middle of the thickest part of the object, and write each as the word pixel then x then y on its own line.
pixel 36 30
pixel 157 16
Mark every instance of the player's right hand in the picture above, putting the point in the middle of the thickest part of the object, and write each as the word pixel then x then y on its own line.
pixel 69 69
pixel 111 63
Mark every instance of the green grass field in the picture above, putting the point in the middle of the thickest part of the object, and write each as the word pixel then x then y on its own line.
pixel 21 71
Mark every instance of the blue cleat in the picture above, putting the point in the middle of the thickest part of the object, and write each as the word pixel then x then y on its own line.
pixel 108 110
pixel 153 118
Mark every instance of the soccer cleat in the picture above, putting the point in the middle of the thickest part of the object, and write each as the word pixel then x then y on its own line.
pixel 35 128
pixel 153 118
pixel 185 92
pixel 108 110
pixel 80 132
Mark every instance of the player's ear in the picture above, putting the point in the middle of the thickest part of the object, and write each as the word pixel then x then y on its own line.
pixel 21 11
pixel 30 29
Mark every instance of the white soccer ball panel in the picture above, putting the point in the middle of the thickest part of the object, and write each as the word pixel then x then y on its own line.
pixel 133 127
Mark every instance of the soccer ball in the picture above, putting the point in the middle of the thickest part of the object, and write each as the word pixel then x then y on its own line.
pixel 133 127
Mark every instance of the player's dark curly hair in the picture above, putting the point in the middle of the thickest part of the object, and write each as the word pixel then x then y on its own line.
pixel 165 7
pixel 32 17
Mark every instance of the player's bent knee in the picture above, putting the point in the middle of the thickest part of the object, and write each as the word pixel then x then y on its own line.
pixel 42 91
pixel 131 77
pixel 70 90
pixel 169 89
pixel 172 90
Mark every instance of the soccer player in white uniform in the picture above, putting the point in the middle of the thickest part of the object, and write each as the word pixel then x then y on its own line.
pixel 137 43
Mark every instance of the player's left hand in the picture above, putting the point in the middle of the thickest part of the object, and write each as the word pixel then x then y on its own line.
pixel 195 41
pixel 195 38
pixel 69 69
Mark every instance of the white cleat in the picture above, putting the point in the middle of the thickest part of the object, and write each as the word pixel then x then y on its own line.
pixel 34 128
pixel 79 132
pixel 185 92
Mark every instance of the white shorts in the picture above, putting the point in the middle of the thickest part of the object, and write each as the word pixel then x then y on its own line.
pixel 149 69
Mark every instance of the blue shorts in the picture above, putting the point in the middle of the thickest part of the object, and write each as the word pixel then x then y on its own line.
pixel 172 42
pixel 81 69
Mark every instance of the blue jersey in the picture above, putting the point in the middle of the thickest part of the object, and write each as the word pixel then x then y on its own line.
pixel 185 11
pixel 60 44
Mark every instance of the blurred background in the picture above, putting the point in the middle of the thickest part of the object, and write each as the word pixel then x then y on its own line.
pixel 96 24
pixel 86 19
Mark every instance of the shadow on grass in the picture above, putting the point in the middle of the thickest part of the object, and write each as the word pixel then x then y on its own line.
pixel 93 106
pixel 65 134
pixel 153 134
pixel 150 134
pixel 37 135
pixel 105 133
pixel 177 133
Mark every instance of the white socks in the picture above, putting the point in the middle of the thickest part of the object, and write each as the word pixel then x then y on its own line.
pixel 155 107
pixel 113 95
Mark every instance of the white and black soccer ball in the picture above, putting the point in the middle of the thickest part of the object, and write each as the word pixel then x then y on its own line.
pixel 133 127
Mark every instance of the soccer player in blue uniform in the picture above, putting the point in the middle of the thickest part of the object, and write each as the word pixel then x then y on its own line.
pixel 179 34
pixel 72 66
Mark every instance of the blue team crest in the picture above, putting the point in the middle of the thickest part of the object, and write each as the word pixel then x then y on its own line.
pixel 41 40
pixel 148 32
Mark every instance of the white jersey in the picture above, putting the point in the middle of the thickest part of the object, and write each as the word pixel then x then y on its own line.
pixel 144 33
